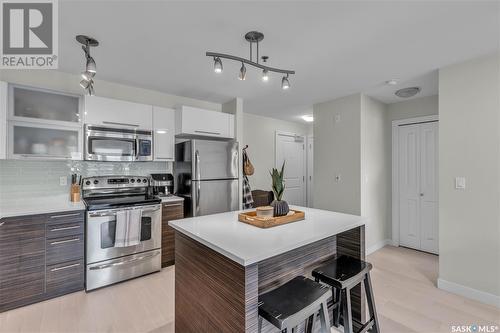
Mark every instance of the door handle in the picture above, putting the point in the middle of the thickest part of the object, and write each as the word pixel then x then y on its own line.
pixel 197 166
pixel 123 124
pixel 207 132
pixel 120 263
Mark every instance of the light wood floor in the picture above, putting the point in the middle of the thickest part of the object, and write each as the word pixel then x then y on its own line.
pixel 403 281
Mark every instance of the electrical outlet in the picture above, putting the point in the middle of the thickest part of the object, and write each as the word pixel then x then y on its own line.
pixel 63 181
pixel 460 183
pixel 337 118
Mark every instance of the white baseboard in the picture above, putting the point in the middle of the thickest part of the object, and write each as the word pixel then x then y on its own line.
pixel 378 246
pixel 468 292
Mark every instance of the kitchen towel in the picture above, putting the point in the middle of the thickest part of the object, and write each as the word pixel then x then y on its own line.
pixel 128 227
pixel 247 194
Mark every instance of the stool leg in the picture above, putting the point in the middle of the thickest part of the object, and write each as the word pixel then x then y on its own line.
pixel 346 307
pixel 371 302
pixel 311 325
pixel 324 318
pixel 338 308
pixel 260 324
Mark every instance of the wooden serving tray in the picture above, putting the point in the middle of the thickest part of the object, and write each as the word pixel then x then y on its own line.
pixel 263 222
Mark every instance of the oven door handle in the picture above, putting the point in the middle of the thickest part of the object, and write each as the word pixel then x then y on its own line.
pixel 125 262
pixel 113 213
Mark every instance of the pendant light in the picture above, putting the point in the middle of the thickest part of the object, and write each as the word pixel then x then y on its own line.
pixel 284 83
pixel 243 72
pixel 265 75
pixel 217 65
pixel 90 67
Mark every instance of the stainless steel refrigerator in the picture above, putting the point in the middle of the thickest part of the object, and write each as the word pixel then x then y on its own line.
pixel 206 176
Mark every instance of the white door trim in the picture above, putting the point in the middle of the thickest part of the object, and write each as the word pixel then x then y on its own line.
pixel 395 168
pixel 304 167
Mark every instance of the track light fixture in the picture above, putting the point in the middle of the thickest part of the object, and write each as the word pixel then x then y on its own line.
pixel 90 67
pixel 252 37
pixel 217 65
pixel 243 72
pixel 284 83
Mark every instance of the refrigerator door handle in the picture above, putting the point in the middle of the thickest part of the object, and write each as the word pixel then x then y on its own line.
pixel 197 164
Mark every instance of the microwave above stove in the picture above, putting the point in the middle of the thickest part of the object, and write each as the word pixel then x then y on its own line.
pixel 117 144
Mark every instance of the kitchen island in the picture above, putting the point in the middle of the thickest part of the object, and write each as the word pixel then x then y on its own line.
pixel 222 265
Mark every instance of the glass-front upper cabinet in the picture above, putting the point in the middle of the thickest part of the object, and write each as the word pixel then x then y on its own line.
pixel 44 106
pixel 31 140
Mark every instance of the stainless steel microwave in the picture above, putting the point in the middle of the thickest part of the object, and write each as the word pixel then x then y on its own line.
pixel 117 144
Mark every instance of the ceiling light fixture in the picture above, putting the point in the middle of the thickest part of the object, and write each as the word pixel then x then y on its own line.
pixel 252 37
pixel 284 83
pixel 265 75
pixel 217 65
pixel 243 72
pixel 392 82
pixel 90 67
pixel 407 92
pixel 309 118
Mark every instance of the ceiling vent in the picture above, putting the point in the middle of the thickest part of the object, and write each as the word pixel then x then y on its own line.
pixel 407 92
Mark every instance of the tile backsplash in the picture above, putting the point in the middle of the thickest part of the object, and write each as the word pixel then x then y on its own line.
pixel 39 178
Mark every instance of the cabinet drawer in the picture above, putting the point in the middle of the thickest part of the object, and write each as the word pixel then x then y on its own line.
pixel 55 230
pixel 14 229
pixel 172 211
pixel 65 277
pixel 64 249
pixel 66 217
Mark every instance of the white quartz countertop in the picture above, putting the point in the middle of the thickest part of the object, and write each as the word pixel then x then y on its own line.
pixel 246 244
pixel 38 205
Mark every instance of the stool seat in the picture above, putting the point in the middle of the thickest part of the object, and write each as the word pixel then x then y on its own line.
pixel 342 272
pixel 289 304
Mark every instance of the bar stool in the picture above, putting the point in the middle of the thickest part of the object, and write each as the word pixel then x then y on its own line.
pixel 342 274
pixel 297 301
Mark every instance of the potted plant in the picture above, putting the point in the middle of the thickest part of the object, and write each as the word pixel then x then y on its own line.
pixel 280 206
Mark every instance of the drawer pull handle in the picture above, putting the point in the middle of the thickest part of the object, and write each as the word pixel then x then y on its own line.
pixel 64 215
pixel 123 124
pixel 65 241
pixel 125 262
pixel 64 267
pixel 207 132
pixel 2 223
pixel 65 228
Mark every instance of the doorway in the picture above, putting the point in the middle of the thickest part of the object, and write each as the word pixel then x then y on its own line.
pixel 290 147
pixel 415 183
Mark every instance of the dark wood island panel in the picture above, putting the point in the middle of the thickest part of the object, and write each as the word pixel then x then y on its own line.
pixel 215 294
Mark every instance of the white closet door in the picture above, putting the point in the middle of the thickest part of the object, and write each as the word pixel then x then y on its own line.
pixel 290 148
pixel 429 187
pixel 409 186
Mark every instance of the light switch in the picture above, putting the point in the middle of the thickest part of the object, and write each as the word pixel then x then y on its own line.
pixel 460 183
pixel 338 178
pixel 337 118
pixel 63 181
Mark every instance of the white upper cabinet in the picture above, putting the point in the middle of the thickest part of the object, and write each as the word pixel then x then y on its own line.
pixel 163 134
pixel 195 121
pixel 3 120
pixel 112 112
pixel 44 106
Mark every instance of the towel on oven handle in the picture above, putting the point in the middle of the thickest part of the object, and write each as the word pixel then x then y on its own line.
pixel 128 227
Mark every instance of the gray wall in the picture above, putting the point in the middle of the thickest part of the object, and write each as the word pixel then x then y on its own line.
pixel 469 146
pixel 418 107
pixel 259 134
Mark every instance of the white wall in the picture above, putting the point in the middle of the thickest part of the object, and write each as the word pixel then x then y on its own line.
pixel 66 82
pixel 469 146
pixel 375 172
pixel 418 107
pixel 259 135
pixel 337 151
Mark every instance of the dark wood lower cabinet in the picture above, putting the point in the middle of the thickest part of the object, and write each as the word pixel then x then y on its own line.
pixel 170 211
pixel 41 256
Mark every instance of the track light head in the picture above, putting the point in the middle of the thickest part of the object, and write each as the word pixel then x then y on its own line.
pixel 87 75
pixel 217 65
pixel 85 84
pixel 284 83
pixel 265 75
pixel 91 67
pixel 243 72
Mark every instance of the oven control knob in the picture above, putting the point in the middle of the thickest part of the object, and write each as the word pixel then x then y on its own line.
pixel 87 182
pixel 144 181
pixel 138 180
pixel 132 180
pixel 96 182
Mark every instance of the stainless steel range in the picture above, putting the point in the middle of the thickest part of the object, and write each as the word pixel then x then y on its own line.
pixel 109 257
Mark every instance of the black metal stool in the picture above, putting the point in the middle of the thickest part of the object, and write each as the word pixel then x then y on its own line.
pixel 343 274
pixel 297 301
